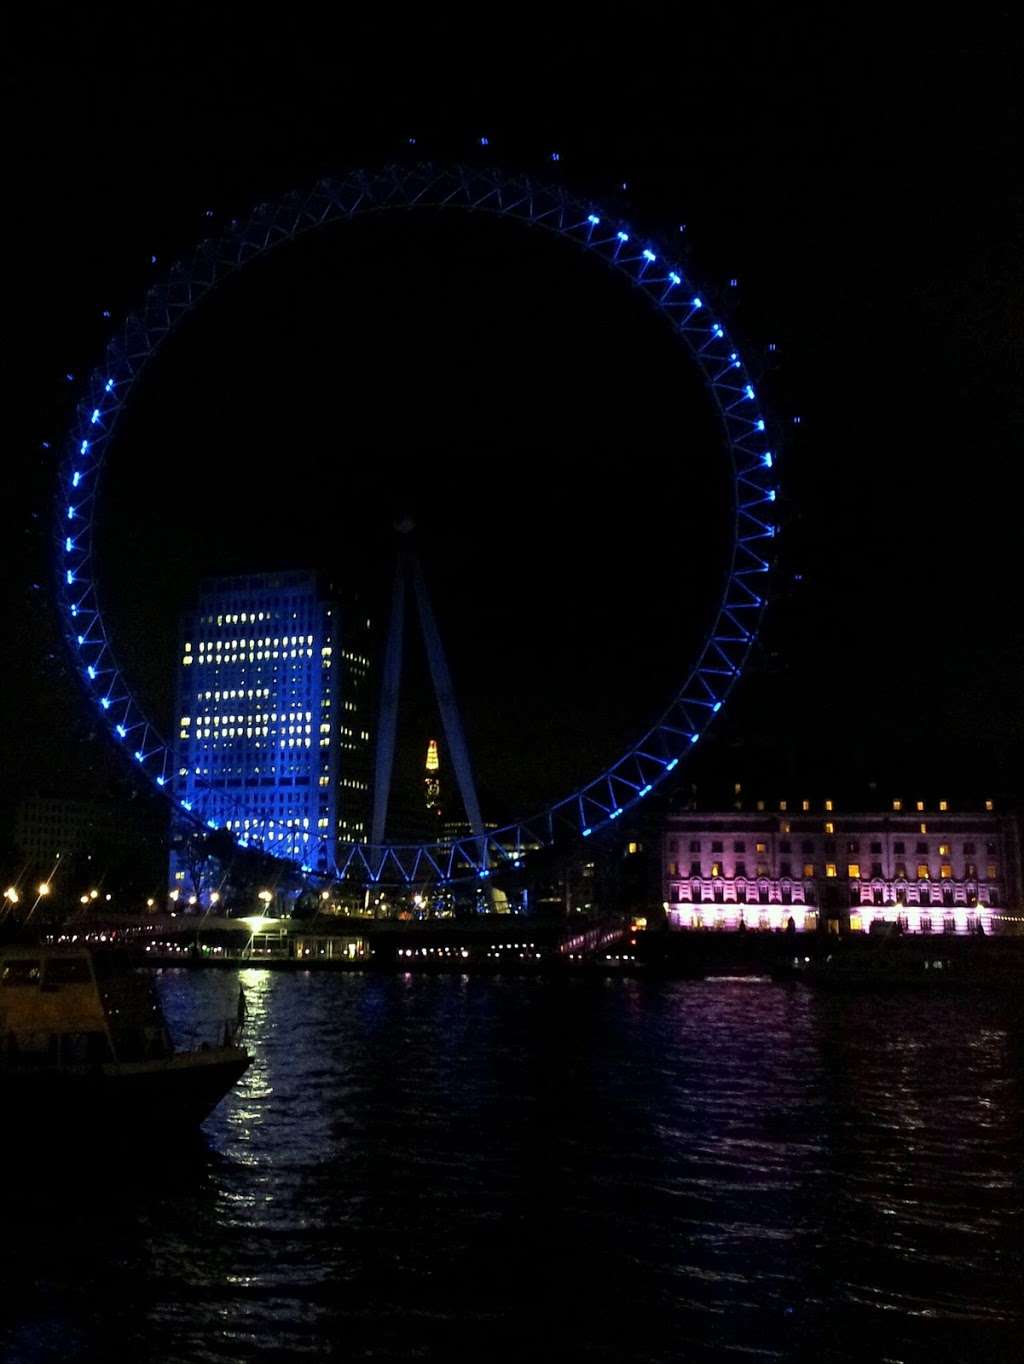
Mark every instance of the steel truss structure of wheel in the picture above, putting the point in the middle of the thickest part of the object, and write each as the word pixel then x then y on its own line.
pixel 581 225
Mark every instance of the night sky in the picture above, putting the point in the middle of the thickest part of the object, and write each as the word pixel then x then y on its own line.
pixel 861 184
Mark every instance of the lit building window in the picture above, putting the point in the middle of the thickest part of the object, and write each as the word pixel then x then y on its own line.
pixel 782 805
pixel 633 848
pixel 831 870
pixel 924 828
pixel 716 868
pixel 943 849
pixel 922 871
pixel 945 871
pixel 808 869
pixel 830 828
pixel 853 871
pixel 988 805
pixel 805 805
pixel 991 871
pixel 760 847
pixel 943 805
pixel 920 805
pixel 828 805
pixel 897 805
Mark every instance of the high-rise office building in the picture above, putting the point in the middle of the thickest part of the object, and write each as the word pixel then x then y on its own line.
pixel 272 737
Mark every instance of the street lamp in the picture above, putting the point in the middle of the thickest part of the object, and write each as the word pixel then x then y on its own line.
pixel 43 887
pixel 214 896
pixel 94 895
pixel 11 895
pixel 150 903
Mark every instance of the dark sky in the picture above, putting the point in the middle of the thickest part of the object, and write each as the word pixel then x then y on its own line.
pixel 860 182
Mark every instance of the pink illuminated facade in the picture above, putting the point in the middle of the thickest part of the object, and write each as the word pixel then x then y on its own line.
pixel 805 864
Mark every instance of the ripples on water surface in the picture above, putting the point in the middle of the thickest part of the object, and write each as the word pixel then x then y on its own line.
pixel 445 1168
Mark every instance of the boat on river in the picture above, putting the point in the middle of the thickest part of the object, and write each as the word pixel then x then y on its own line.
pixel 939 965
pixel 84 1048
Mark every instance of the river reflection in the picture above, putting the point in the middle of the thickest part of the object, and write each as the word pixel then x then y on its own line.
pixel 436 1167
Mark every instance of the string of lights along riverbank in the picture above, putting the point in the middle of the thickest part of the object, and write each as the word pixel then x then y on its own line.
pixel 273 732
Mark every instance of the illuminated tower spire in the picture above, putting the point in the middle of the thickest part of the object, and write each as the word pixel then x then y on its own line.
pixel 432 780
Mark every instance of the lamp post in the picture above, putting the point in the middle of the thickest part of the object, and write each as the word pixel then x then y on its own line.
pixel 11 898
pixel 42 891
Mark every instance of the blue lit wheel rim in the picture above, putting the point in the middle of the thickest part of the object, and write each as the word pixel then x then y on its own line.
pixel 649 268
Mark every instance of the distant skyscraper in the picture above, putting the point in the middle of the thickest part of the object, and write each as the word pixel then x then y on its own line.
pixel 52 828
pixel 272 735
pixel 432 781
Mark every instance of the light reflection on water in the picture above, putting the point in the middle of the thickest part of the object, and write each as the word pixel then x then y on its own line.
pixel 435 1166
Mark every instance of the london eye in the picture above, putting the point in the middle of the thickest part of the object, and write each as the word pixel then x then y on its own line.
pixel 704 344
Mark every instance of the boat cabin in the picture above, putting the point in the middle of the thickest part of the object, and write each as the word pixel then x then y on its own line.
pixel 65 1008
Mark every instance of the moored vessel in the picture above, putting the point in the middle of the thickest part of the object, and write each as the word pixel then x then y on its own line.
pixel 84 1049
pixel 939 965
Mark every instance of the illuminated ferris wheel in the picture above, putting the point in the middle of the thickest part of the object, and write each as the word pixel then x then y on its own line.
pixel 704 342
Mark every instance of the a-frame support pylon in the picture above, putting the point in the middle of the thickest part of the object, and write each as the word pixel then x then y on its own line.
pixel 408 569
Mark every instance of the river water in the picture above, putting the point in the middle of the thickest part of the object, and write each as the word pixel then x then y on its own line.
pixel 446 1167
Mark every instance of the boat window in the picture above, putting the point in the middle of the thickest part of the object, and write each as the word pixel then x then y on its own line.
pixel 20 973
pixel 83 1048
pixel 131 1045
pixel 67 971
pixel 33 1048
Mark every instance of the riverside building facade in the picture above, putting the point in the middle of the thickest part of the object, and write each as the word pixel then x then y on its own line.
pixel 272 738
pixel 926 868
